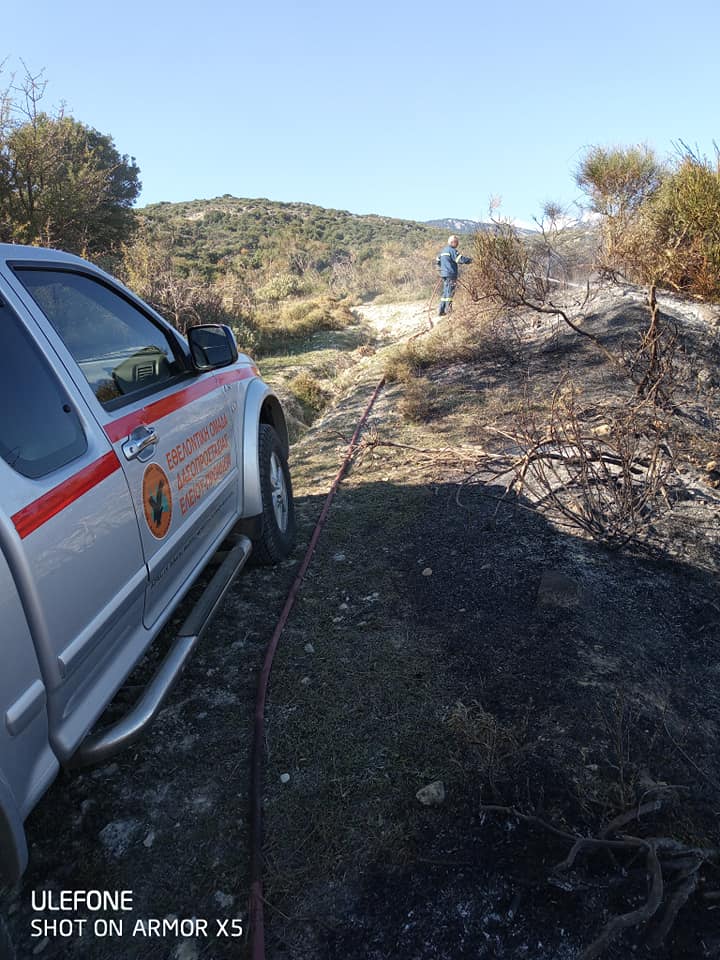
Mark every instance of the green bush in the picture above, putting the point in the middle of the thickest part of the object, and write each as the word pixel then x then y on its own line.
pixel 660 223
pixel 248 339
pixel 309 393
pixel 280 287
pixel 682 222
pixel 300 320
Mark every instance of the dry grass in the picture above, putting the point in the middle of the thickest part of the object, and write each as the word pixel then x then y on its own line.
pixel 493 745
pixel 298 321
pixel 473 334
pixel 416 403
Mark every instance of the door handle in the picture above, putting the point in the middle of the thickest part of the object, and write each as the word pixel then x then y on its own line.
pixel 139 442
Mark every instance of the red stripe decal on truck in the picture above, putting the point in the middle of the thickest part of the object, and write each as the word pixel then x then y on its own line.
pixel 124 426
pixel 35 514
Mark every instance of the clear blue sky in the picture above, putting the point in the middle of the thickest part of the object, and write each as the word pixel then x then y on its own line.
pixel 403 107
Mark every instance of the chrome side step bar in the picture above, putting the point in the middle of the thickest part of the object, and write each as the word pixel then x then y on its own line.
pixel 98 746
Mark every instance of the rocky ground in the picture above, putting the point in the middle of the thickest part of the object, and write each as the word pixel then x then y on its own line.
pixel 448 633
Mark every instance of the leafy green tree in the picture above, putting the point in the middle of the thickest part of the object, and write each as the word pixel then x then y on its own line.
pixel 62 183
pixel 680 225
pixel 660 223
pixel 618 180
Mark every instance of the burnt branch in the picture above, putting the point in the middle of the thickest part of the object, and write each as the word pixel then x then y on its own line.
pixel 663 855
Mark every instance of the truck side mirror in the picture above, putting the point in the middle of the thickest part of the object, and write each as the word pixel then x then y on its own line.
pixel 212 345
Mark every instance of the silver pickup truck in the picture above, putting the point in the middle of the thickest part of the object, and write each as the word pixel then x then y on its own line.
pixel 128 454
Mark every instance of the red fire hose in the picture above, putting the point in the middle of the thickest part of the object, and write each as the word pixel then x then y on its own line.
pixel 257 926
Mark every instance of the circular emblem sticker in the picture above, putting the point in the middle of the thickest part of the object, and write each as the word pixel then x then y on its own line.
pixel 157 500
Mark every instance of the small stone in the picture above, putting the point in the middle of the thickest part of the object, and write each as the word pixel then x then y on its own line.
pixel 602 430
pixel 309 648
pixel 712 466
pixel 284 778
pixel 117 836
pixel 149 839
pixel 305 681
pixel 343 606
pixel 432 795
pixel 427 572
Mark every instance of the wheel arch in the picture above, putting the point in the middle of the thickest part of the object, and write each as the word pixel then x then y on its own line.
pixel 261 406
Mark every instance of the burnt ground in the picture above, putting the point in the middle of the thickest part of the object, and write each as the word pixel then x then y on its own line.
pixel 442 634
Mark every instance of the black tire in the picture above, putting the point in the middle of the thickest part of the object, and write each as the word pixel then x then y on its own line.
pixel 278 508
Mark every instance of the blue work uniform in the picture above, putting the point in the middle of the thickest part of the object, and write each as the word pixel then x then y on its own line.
pixel 448 260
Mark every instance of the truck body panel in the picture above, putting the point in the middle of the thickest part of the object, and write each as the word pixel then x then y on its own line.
pixel 123 464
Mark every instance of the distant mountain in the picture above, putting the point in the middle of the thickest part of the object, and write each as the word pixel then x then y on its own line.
pixel 459 226
pixel 453 225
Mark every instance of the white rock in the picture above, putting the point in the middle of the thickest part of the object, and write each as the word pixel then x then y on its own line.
pixel 309 648
pixel 427 572
pixel 284 778
pixel 117 836
pixel 432 795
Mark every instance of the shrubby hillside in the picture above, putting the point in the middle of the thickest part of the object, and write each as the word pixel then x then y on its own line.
pixel 277 272
pixel 234 233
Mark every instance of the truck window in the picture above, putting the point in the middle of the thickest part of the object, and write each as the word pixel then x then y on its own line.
pixel 39 428
pixel 119 349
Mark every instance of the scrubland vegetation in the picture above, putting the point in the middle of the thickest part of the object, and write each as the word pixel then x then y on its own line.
pixel 282 273
pixel 518 592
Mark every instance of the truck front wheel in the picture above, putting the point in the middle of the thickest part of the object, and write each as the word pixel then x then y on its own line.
pixel 278 509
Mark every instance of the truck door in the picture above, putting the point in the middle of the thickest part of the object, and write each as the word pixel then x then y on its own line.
pixel 69 537
pixel 172 431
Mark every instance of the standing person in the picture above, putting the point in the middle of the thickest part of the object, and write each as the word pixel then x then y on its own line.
pixel 448 260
